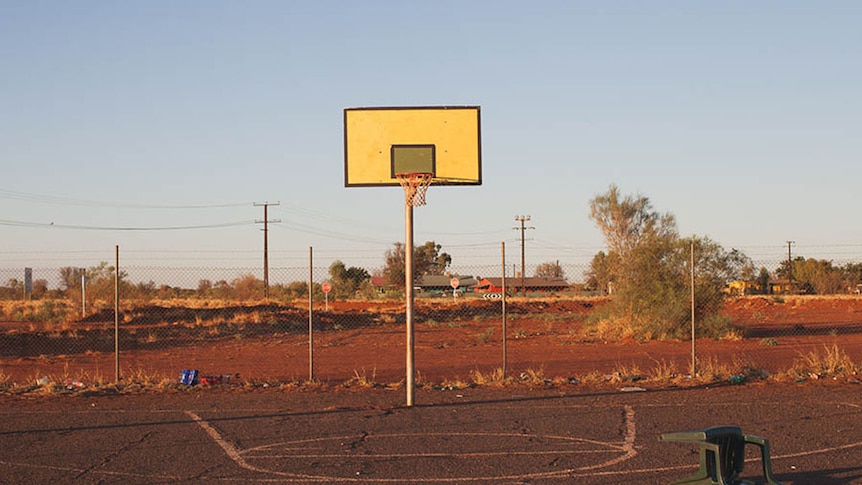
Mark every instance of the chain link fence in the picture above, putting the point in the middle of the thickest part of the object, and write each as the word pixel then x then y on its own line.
pixel 473 324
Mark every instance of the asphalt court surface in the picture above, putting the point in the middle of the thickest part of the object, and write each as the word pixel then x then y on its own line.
pixel 497 436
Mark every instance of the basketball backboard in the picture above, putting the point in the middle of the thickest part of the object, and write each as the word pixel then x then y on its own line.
pixel 382 142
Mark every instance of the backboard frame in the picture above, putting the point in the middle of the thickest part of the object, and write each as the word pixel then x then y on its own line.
pixel 372 135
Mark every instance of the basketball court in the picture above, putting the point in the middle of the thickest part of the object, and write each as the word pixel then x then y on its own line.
pixel 467 436
pixel 511 435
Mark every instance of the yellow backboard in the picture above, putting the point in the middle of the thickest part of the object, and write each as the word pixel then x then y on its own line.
pixel 442 140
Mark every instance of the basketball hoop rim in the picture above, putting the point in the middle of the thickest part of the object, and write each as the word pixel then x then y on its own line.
pixel 415 185
pixel 414 175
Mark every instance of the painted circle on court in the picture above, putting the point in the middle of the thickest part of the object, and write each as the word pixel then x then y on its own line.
pixel 422 457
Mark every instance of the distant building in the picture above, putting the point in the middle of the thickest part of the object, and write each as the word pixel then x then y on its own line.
pixel 775 287
pixel 530 285
pixel 434 283
pixel 784 287
pixel 742 288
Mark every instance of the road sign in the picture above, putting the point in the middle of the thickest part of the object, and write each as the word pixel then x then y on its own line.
pixel 326 287
pixel 455 283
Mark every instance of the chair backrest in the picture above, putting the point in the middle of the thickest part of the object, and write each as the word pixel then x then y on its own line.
pixel 732 454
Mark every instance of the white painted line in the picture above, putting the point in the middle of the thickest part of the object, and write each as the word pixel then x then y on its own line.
pixel 241 457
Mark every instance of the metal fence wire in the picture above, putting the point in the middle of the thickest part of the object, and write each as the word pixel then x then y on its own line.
pixel 478 324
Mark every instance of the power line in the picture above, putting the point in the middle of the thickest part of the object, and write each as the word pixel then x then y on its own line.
pixel 51 225
pixel 66 201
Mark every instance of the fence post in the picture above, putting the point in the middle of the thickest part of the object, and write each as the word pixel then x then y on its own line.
pixel 83 292
pixel 693 354
pixel 310 314
pixel 503 284
pixel 117 312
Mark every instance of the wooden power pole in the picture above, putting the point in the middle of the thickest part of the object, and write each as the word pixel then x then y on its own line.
pixel 266 222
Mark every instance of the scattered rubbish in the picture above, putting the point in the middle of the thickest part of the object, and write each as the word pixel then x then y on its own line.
pixel 632 389
pixel 736 379
pixel 189 377
pixel 217 379
pixel 574 380
pixel 43 381
pixel 852 380
pixel 72 384
pixel 459 395
pixel 446 388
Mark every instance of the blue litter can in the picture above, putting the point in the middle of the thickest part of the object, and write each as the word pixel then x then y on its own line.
pixel 189 377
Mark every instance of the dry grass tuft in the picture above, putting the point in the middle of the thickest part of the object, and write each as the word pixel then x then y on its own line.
pixel 362 379
pixel 534 377
pixel 495 378
pixel 455 384
pixel 664 371
pixel 831 362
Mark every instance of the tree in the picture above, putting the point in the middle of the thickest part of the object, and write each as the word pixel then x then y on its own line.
pixel 205 286
pixel 650 268
pixel 852 275
pixel 70 277
pixel 762 281
pixel 247 287
pixel 346 281
pixel 602 272
pixel 100 283
pixel 628 221
pixel 786 270
pixel 818 276
pixel 550 270
pixel 40 287
pixel 427 260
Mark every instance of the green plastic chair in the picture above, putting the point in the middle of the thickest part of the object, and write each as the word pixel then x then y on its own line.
pixel 722 455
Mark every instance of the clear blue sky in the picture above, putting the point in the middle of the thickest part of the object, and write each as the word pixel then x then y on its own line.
pixel 743 119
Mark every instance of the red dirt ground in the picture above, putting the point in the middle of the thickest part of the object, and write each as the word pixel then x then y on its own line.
pixel 451 342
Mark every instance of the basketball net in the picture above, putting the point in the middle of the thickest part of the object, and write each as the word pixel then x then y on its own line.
pixel 415 186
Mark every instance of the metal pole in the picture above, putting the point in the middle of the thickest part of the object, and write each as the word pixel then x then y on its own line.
pixel 117 312
pixel 505 348
pixel 693 354
pixel 83 294
pixel 408 297
pixel 310 315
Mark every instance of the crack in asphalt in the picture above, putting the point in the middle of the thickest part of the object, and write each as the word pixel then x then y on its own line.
pixel 110 456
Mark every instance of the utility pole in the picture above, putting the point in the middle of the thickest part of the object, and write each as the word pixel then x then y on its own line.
pixel 789 265
pixel 522 220
pixel 266 222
